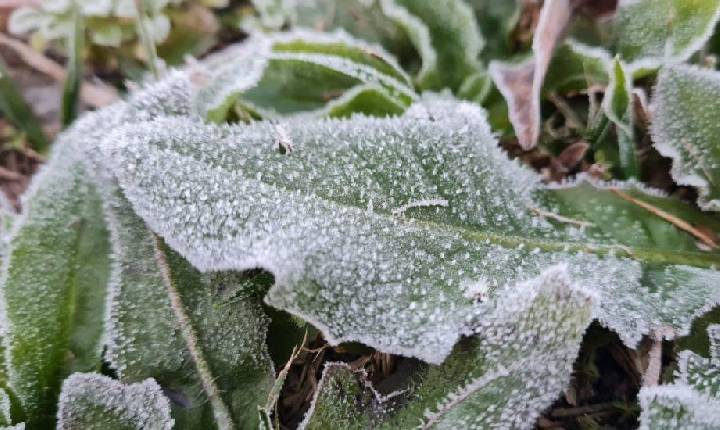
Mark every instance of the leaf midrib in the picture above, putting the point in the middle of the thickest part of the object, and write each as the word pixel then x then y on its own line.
pixel 648 255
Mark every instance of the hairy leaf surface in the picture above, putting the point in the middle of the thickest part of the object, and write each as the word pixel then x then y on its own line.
pixel 686 127
pixel 422 210
pixel 501 378
pixel 169 322
pixel 53 284
pixel 649 33
pixel 95 402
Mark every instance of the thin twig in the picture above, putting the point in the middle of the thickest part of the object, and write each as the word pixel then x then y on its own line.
pixel 672 219
pixel 651 376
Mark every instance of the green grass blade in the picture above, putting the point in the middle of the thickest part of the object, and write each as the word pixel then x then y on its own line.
pixel 18 112
pixel 146 38
pixel 71 90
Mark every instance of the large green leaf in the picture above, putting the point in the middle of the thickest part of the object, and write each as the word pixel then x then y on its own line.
pixel 686 128
pixel 304 71
pixel 693 401
pixel 384 231
pixel 90 401
pixel 53 284
pixel 503 377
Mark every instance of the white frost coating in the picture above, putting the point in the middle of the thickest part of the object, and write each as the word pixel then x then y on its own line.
pixel 686 127
pixel 258 194
pixel 92 400
pixel 529 344
pixel 230 72
pixel 693 401
pixel 240 68
pixel 420 204
pixel 322 221
pixel 342 37
pixel 677 406
pixel 362 72
pixel 651 33
pixel 417 32
pixel 514 368
pixel 348 97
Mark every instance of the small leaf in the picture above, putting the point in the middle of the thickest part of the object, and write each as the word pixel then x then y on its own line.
pixel 618 106
pixel 95 402
pixel 686 128
pixel 301 72
pixel 54 283
pixel 693 400
pixel 501 378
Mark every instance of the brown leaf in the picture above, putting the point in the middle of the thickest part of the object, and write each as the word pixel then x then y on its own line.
pixel 572 155
pixel 520 84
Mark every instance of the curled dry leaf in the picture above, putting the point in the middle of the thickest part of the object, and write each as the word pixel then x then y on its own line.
pixel 521 83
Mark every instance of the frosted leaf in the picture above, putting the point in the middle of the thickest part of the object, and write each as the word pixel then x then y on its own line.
pixel 521 83
pixel 53 284
pixel 647 33
pixel 446 36
pixel 501 378
pixel 376 228
pixel 693 400
pixel 685 127
pixel 95 402
pixel 299 72
pixel 618 107
pixel 208 352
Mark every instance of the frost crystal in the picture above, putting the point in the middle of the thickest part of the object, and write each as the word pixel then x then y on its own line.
pixel 93 401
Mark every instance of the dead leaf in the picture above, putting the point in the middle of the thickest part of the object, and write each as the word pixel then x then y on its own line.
pixel 520 84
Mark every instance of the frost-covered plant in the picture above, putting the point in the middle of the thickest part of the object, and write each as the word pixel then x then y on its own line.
pixel 386 217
